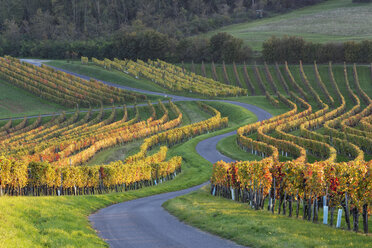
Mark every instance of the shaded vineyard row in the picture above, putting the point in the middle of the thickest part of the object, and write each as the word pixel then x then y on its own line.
pixel 60 87
pixel 169 76
pixel 245 76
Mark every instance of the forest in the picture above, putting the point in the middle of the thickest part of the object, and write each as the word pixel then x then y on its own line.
pixel 73 19
pixel 68 28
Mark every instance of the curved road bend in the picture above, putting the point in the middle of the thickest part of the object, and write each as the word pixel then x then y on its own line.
pixel 143 222
pixel 207 148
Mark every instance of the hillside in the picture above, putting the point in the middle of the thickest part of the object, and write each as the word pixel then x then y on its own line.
pixel 97 142
pixel 11 106
pixel 191 123
pixel 136 29
pixel 62 19
pixel 365 75
pixel 331 21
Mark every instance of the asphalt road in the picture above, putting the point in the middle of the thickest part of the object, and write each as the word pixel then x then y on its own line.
pixel 207 148
pixel 144 222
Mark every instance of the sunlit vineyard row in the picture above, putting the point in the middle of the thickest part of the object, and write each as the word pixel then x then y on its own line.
pixel 327 140
pixel 48 157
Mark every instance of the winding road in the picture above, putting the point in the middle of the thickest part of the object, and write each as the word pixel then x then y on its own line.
pixel 144 222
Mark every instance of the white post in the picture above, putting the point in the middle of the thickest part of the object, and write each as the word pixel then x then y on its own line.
pixel 339 215
pixel 214 190
pixel 325 215
pixel 232 193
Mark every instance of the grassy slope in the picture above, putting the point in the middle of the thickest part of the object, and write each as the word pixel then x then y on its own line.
pixel 15 102
pixel 11 106
pixel 62 221
pixel 115 153
pixel 110 76
pixel 331 21
pixel 236 221
pixel 230 148
pixel 261 102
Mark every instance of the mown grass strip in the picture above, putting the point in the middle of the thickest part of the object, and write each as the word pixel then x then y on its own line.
pixel 238 222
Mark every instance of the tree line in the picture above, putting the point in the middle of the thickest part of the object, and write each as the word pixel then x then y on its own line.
pixel 293 49
pixel 136 43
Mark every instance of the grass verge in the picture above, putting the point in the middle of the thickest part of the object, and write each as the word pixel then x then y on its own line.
pixel 261 101
pixel 236 221
pixel 228 147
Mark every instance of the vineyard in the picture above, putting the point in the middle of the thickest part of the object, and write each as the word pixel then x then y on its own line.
pixel 313 159
pixel 330 130
pixel 201 123
pixel 62 88
pixel 47 157
pixel 170 76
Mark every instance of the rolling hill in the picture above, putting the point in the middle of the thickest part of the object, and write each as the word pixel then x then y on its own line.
pixel 331 21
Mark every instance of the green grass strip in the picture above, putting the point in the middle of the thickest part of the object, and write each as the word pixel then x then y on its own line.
pixel 238 222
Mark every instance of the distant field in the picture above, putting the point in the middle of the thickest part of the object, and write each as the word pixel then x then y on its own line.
pixel 331 21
